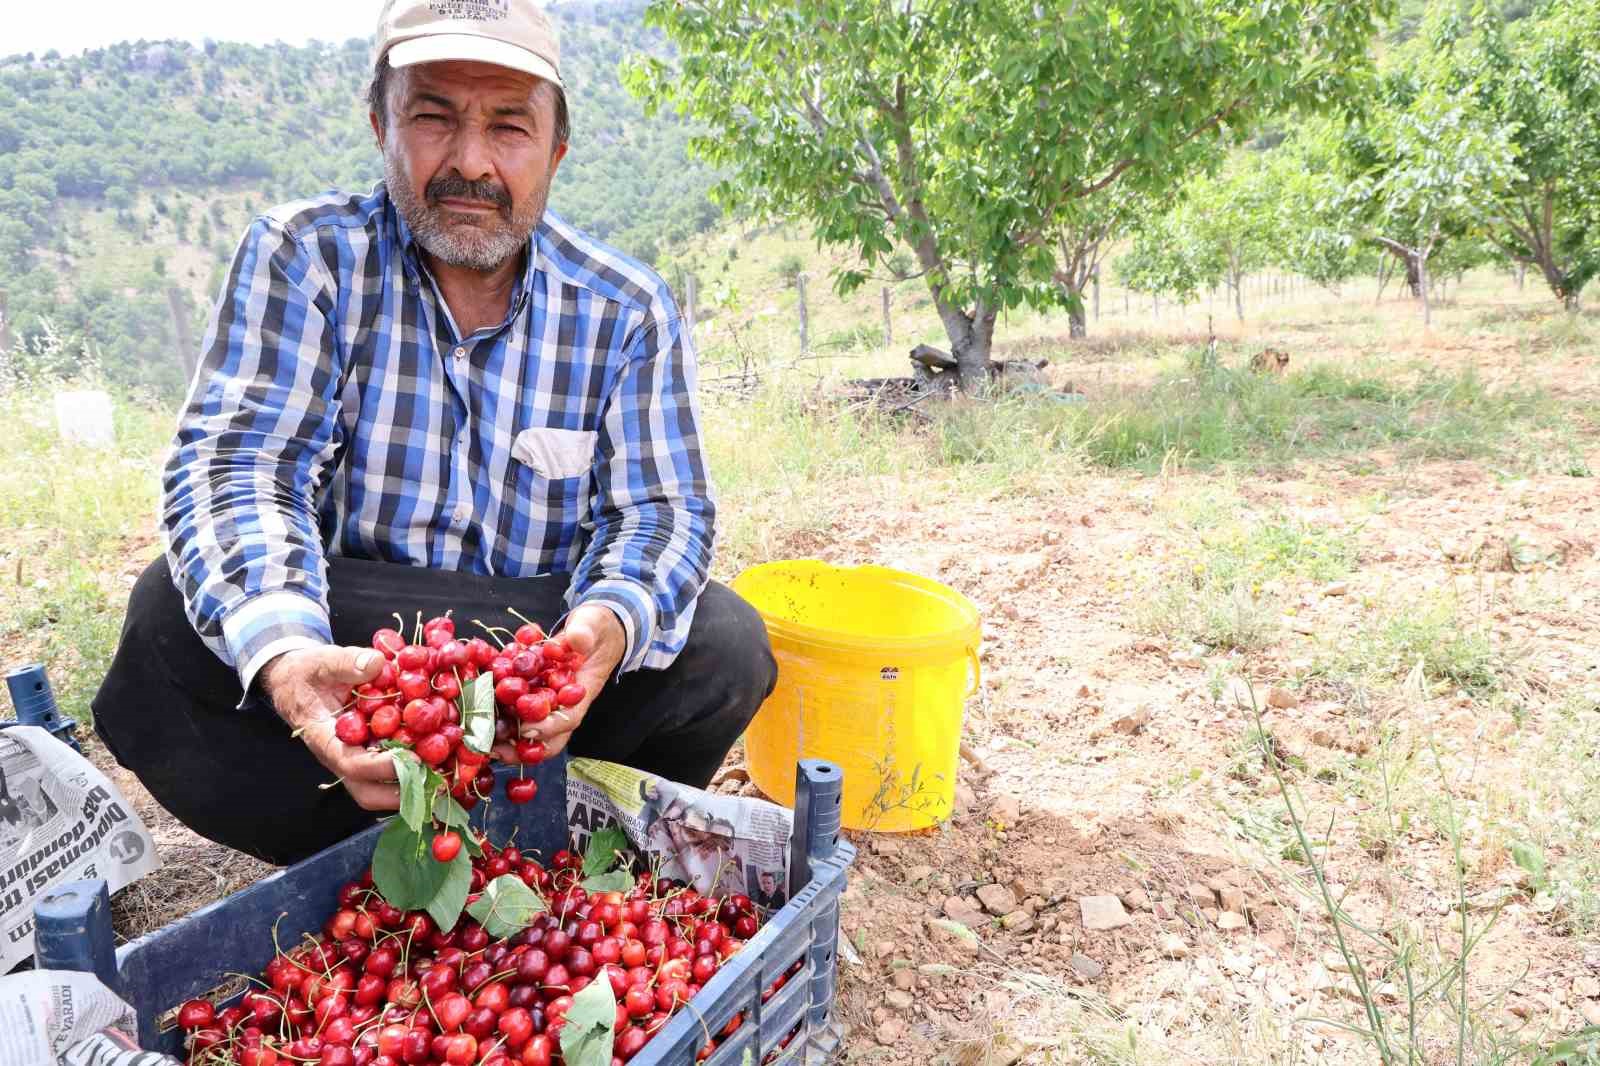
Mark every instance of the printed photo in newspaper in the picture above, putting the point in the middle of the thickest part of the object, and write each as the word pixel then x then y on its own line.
pixel 60 820
pixel 719 844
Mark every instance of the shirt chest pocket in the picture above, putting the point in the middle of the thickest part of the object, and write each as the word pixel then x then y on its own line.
pixel 554 454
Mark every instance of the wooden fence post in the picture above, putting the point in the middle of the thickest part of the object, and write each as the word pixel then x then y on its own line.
pixel 888 323
pixel 800 286
pixel 188 355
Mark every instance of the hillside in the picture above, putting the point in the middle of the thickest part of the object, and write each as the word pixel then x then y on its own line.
pixel 133 169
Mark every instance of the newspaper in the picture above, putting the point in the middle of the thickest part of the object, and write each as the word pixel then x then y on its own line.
pixel 719 844
pixel 60 820
pixel 58 1016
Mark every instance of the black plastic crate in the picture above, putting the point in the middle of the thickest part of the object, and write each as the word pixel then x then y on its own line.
pixel 194 956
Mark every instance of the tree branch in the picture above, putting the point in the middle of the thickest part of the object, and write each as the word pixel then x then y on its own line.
pixel 1394 246
pixel 1121 167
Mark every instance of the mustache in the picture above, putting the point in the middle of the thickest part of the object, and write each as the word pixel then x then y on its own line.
pixel 455 187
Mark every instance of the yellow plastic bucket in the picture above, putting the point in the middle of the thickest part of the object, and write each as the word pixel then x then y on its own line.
pixel 873 674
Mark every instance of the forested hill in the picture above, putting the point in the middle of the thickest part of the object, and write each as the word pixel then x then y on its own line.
pixel 132 170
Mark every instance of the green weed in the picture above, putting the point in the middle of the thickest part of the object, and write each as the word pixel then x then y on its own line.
pixel 1451 650
pixel 1221 585
pixel 1559 818
pixel 1223 416
pixel 67 515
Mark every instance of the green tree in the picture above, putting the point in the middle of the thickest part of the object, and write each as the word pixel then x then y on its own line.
pixel 1162 258
pixel 1539 80
pixel 1438 162
pixel 967 129
pixel 1224 228
pixel 1312 238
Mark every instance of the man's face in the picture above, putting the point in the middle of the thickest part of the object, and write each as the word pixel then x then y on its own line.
pixel 469 152
pixel 768 882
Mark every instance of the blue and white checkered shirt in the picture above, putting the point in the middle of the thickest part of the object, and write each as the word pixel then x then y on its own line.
pixel 338 412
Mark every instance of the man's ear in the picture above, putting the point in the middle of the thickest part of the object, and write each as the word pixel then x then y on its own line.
pixel 377 128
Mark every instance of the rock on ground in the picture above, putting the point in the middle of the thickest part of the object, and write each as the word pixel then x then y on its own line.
pixel 1102 912
pixel 997 899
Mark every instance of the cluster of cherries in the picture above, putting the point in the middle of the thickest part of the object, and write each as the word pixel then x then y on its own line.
pixel 386 987
pixel 416 700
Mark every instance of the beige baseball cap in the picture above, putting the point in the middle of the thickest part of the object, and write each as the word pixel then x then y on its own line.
pixel 507 33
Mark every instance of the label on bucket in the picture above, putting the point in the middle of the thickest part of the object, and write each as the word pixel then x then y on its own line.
pixel 889 673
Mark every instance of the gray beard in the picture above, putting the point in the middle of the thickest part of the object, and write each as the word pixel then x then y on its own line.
pixel 483 248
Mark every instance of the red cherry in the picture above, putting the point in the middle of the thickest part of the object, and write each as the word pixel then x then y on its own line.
pixel 639 1001
pixel 535 706
pixel 508 689
pixel 521 789
pixel 529 634
pixel 516 1025
pixel 422 716
pixel 385 721
pixel 196 1014
pixel 259 1055
pixel 445 685
pixel 413 685
pixel 351 728
pixel 446 846
pixel 388 641
pixel 629 1042
pixel 433 749
pixel 571 695
pixel 451 1011
pixel 539 1049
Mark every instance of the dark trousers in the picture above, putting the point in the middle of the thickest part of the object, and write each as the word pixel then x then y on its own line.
pixel 168 709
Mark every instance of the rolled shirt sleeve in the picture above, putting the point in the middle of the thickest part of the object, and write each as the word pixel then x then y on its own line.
pixel 650 551
pixel 254 442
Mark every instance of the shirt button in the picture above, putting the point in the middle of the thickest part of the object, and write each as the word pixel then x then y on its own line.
pixel 461 353
pixel 461 513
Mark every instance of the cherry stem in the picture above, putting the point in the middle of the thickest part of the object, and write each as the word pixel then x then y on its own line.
pixel 495 631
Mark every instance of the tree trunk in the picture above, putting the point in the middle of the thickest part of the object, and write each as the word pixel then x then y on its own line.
pixel 971 339
pixel 972 351
pixel 1522 275
pixel 1077 326
pixel 1238 296
pixel 1416 276
pixel 888 323
pixel 1097 294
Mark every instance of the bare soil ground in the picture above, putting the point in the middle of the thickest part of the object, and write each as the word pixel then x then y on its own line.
pixel 1101 754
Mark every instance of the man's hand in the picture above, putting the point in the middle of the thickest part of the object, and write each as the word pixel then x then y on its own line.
pixel 308 687
pixel 595 633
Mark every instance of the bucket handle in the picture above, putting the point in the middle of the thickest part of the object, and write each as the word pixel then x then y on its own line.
pixel 977 671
